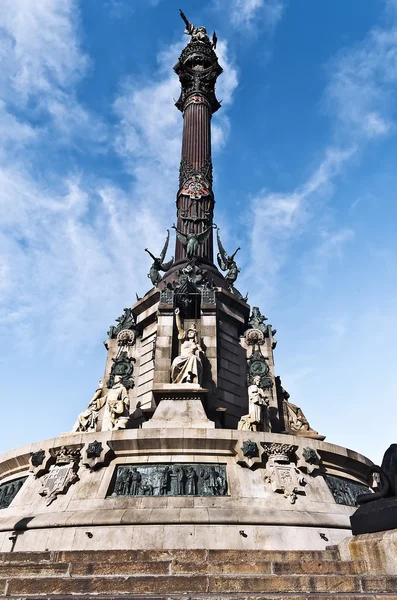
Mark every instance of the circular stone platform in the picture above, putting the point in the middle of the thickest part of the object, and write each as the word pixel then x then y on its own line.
pixel 222 489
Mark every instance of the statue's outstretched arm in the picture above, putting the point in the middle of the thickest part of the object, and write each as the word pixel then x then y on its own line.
pixel 181 332
pixel 150 254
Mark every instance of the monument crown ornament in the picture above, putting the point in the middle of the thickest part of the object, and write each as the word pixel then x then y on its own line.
pixel 189 405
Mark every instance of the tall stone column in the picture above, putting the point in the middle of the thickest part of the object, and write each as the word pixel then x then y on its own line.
pixel 198 69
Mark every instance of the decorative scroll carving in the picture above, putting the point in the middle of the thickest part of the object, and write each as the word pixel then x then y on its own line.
pixel 169 480
pixel 281 472
pixel 254 337
pixel 123 365
pixel 258 367
pixel 187 171
pixel 196 188
pixel 126 338
pixel 62 474
pixel 9 490
pixel 345 491
pixel 159 264
pixel 126 321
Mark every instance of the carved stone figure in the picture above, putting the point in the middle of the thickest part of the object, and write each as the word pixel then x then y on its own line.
pixel 159 264
pixel 187 367
pixel 258 402
pixel 295 421
pixel 227 263
pixel 257 418
pixel 117 406
pixel 88 419
pixel 191 241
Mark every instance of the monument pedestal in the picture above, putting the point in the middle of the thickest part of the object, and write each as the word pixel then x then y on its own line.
pixel 179 405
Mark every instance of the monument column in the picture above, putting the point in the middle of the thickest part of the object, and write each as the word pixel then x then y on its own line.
pixel 198 69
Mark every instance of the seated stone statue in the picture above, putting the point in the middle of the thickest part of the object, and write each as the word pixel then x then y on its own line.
pixel 117 406
pixel 295 421
pixel 257 419
pixel 188 366
pixel 88 419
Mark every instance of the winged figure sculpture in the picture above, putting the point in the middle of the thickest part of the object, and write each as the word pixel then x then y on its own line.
pixel 158 262
pixel 227 263
pixel 191 241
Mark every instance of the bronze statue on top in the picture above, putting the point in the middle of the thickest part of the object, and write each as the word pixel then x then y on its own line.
pixel 198 34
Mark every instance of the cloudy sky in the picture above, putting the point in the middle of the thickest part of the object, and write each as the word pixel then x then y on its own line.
pixel 305 154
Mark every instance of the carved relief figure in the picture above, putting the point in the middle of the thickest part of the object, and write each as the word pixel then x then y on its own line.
pixel 191 482
pixel 191 241
pixel 187 367
pixel 135 482
pixel 158 263
pixel 165 481
pixel 87 420
pixel 117 406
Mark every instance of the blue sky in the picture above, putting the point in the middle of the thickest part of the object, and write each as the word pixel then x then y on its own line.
pixel 304 153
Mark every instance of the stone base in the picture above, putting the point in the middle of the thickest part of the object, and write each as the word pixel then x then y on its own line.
pixel 179 405
pixel 378 551
pixel 379 515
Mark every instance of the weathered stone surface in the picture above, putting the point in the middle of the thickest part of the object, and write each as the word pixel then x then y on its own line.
pixel 107 585
pixel 148 567
pixel 234 568
pixel 316 567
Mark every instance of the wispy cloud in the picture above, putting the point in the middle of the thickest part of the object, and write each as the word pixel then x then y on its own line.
pixel 66 251
pixel 278 218
pixel 359 98
pixel 249 13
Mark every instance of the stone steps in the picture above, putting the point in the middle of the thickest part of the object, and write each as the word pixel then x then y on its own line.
pixel 176 567
pixel 199 573
pixel 198 584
